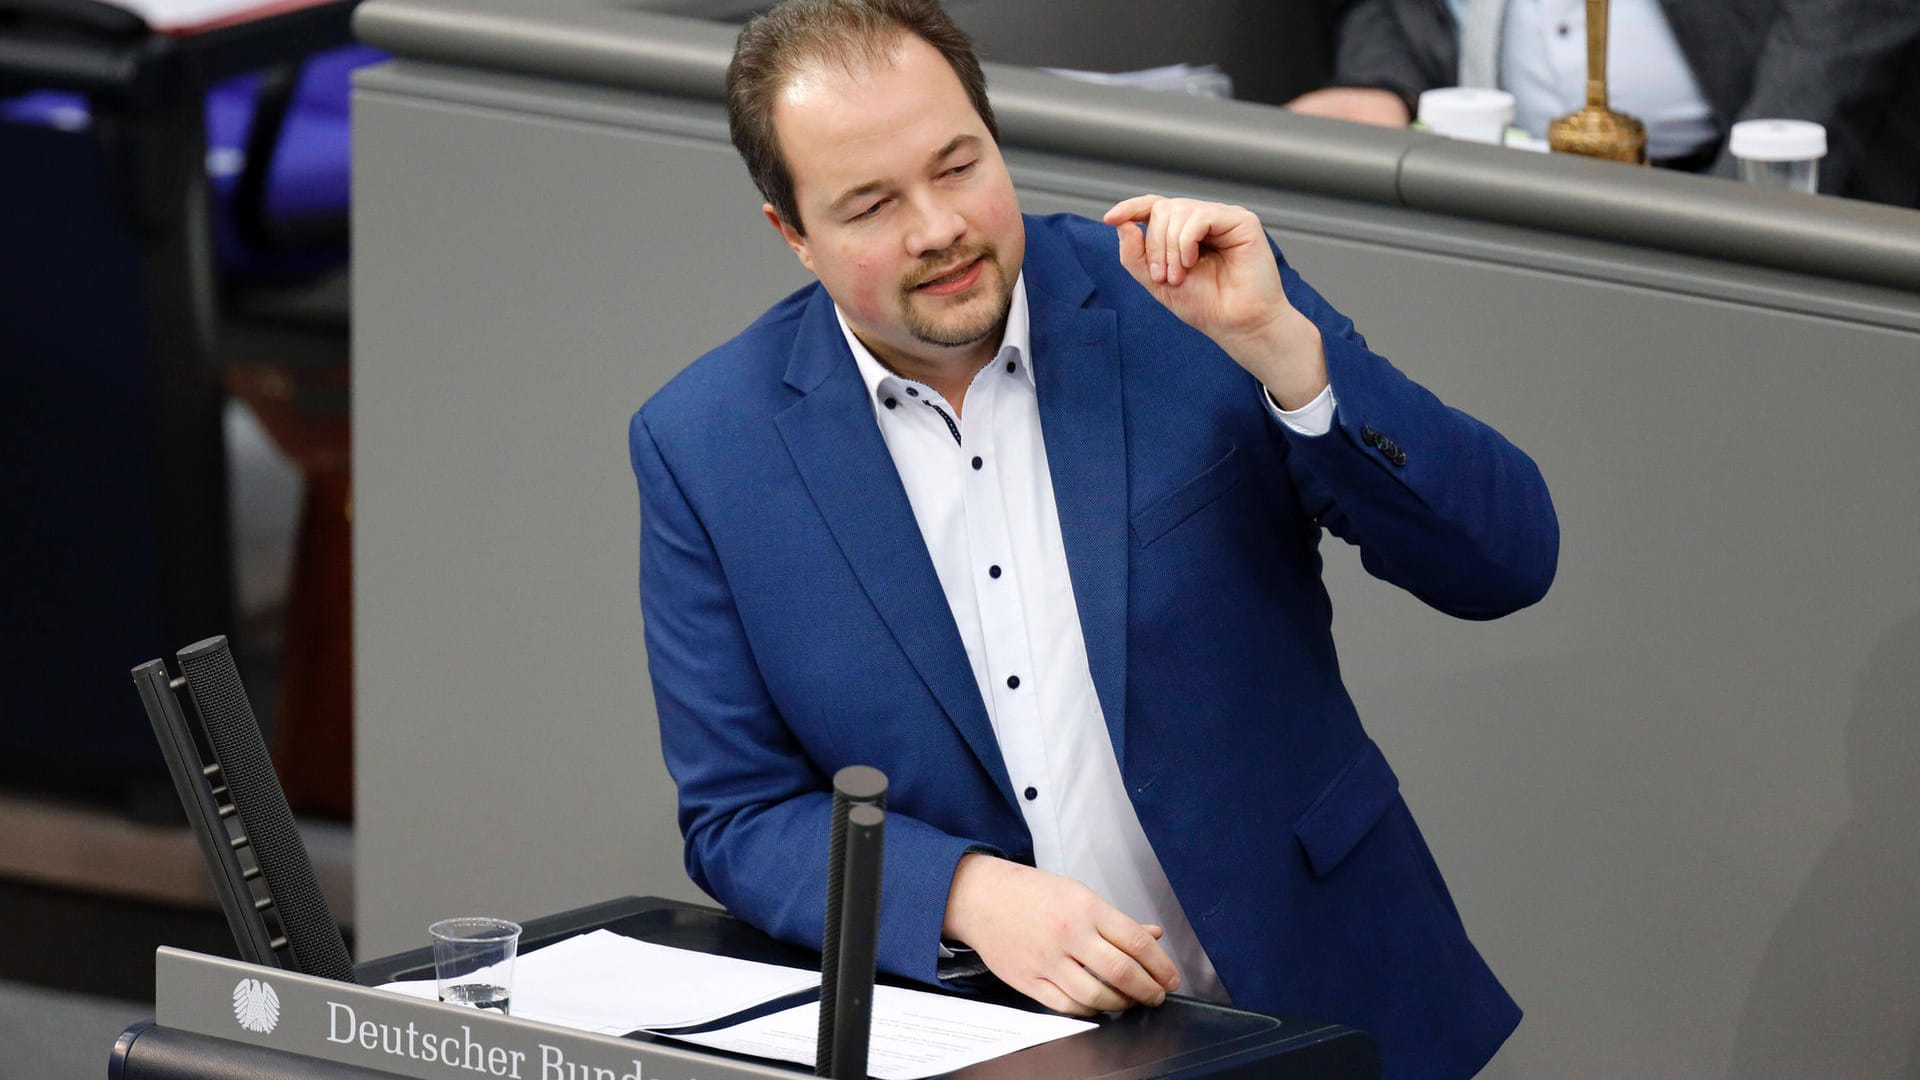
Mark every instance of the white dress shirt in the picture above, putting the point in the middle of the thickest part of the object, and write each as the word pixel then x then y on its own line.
pixel 1542 51
pixel 983 497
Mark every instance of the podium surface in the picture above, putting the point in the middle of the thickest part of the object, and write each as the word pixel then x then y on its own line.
pixel 220 1018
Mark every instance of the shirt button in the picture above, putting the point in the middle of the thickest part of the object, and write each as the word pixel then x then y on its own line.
pixel 1010 366
pixel 1013 682
pixel 1031 793
pixel 977 463
pixel 892 403
pixel 911 392
pixel 1563 29
pixel 993 571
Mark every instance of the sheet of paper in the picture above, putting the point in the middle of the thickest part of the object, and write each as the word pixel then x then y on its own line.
pixel 915 1034
pixel 611 984
pixel 1202 80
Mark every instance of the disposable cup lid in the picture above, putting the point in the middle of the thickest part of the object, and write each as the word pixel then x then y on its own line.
pixel 1452 108
pixel 1778 140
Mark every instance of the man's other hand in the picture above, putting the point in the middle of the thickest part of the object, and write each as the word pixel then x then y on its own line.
pixel 1358 104
pixel 1054 940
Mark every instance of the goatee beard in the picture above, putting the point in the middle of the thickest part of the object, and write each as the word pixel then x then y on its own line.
pixel 927 332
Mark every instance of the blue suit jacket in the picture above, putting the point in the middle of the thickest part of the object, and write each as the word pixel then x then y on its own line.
pixel 795 625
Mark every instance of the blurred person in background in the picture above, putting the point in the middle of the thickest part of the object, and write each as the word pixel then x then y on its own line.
pixel 1688 68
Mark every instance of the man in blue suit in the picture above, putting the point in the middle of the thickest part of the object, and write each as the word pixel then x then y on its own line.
pixel 1025 512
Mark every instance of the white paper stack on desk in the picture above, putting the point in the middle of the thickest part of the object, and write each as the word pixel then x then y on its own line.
pixel 611 985
pixel 1200 80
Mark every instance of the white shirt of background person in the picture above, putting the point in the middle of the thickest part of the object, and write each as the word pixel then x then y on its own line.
pixel 1542 54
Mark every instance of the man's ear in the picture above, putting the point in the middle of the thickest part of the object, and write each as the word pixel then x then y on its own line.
pixel 788 233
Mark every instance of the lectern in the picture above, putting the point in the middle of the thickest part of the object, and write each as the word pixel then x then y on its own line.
pixel 226 1020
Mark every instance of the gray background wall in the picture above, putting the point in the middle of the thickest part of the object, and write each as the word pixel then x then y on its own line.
pixel 1672 800
pixel 1274 50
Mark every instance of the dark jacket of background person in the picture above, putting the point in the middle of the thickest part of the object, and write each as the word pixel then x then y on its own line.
pixel 1852 65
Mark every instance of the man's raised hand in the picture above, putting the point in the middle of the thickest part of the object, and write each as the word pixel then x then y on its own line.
pixel 1209 263
pixel 1054 940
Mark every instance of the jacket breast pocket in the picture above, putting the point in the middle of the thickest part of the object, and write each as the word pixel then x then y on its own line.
pixel 1347 809
pixel 1188 499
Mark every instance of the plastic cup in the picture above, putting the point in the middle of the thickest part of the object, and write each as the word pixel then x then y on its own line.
pixel 1780 154
pixel 473 960
pixel 1472 113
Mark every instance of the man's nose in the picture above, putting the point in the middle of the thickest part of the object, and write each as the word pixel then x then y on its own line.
pixel 937 228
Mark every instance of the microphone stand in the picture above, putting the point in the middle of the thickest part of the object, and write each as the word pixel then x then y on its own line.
pixel 853 786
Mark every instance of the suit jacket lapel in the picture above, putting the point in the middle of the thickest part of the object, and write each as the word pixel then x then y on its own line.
pixel 844 463
pixel 1076 368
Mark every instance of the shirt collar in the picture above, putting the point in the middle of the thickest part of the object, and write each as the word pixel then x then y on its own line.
pixel 1018 337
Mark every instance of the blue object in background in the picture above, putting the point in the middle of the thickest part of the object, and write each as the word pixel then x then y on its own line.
pixel 310 173
pixel 81 559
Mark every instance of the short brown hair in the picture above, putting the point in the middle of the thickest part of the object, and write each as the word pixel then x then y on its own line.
pixel 795 33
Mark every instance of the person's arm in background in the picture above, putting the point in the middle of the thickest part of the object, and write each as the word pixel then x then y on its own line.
pixel 1835 62
pixel 1385 53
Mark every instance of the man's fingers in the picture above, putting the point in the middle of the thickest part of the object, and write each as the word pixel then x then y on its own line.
pixel 1080 984
pixel 1134 209
pixel 1144 948
pixel 1123 973
pixel 1192 232
pixel 1178 215
pixel 1046 993
pixel 1177 232
pixel 1133 247
pixel 1174 234
pixel 1133 253
pixel 1157 241
pixel 1089 956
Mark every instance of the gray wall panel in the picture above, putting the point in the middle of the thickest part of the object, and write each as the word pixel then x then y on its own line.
pixel 621 43
pixel 515 298
pixel 1672 799
pixel 1641 790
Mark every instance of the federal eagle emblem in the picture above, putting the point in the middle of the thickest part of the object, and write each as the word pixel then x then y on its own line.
pixel 255 1005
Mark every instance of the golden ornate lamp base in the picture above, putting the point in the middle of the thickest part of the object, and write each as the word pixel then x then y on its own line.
pixel 1597 131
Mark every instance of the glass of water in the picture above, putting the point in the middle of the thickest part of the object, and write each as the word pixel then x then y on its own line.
pixel 473 960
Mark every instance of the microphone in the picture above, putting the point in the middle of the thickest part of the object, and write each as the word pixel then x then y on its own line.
pixel 855 785
pixel 859 937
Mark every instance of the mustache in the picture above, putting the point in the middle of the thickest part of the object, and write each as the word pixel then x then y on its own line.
pixel 945 263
